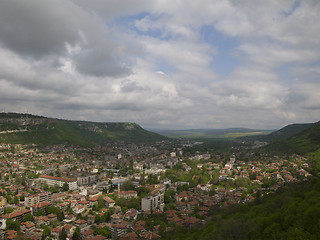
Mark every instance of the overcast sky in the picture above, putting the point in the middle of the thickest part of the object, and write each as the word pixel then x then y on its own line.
pixel 167 64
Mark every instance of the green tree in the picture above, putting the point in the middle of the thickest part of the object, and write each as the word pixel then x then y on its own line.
pixel 28 218
pixel 40 212
pixel 128 185
pixel 76 234
pixel 12 224
pixel 15 200
pixel 100 202
pixel 105 231
pixel 46 231
pixel 8 210
pixel 62 234
pixel 65 187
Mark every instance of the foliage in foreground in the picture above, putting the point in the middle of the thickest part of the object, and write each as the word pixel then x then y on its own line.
pixel 292 213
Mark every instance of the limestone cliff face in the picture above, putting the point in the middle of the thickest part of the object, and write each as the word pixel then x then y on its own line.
pixel 21 122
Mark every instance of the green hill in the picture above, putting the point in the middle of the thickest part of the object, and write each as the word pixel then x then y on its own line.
pixel 305 141
pixel 287 131
pixel 282 133
pixel 27 128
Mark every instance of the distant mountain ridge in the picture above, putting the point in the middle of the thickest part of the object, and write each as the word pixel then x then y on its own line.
pixel 28 128
pixel 211 133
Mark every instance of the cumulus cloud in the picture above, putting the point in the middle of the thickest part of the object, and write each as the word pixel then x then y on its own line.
pixel 151 62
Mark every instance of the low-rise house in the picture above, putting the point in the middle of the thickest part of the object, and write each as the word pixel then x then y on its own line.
pixel 131 214
pixel 118 229
pixel 191 205
pixel 27 226
pixel 69 228
pixel 182 196
pixel 87 233
pixel 149 235
pixel 80 223
pixel 39 206
pixel 79 209
pixel 16 215
pixel 109 202
pixel 129 236
pixel 42 220
pixel 189 221
pixel 116 218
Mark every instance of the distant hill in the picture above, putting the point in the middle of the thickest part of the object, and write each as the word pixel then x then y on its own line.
pixel 27 129
pixel 211 133
pixel 282 133
pixel 303 142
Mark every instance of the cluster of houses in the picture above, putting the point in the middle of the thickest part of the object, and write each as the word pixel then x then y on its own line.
pixel 89 178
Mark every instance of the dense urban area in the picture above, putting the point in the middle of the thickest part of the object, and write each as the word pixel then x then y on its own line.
pixel 130 191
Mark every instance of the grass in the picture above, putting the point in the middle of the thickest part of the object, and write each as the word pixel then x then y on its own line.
pixel 230 135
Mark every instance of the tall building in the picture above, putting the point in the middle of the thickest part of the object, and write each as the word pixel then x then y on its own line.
pixel 153 201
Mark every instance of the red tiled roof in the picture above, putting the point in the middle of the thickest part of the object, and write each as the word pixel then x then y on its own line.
pixel 129 236
pixel 28 224
pixel 141 222
pixel 88 232
pixel 149 235
pixel 58 178
pixel 16 213
pixel 98 237
pixel 40 205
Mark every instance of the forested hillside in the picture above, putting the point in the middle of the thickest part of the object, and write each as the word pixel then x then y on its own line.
pixel 27 129
pixel 292 213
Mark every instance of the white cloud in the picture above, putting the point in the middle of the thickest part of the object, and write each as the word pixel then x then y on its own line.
pixel 84 60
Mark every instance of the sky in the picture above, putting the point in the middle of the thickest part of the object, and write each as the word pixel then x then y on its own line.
pixel 164 64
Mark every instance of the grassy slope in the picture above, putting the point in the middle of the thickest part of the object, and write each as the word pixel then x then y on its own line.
pixel 212 133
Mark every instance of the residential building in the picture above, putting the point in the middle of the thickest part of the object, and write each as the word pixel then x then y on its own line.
pixel 37 198
pixel 86 180
pixel 59 181
pixel 152 202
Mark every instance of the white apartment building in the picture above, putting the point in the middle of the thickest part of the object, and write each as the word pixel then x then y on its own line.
pixel 52 181
pixel 153 202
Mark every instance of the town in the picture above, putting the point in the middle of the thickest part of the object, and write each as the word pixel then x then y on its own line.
pixel 129 191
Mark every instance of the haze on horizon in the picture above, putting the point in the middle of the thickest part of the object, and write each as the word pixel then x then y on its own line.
pixel 163 64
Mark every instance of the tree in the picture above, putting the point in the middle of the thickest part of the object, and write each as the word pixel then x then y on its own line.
pixel 15 200
pixel 77 234
pixel 105 231
pixel 169 196
pixel 22 198
pixel 28 218
pixel 8 210
pixel 46 232
pixel 65 187
pixel 12 224
pixel 100 202
pixel 40 212
pixel 60 215
pixel 62 234
pixel 128 185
